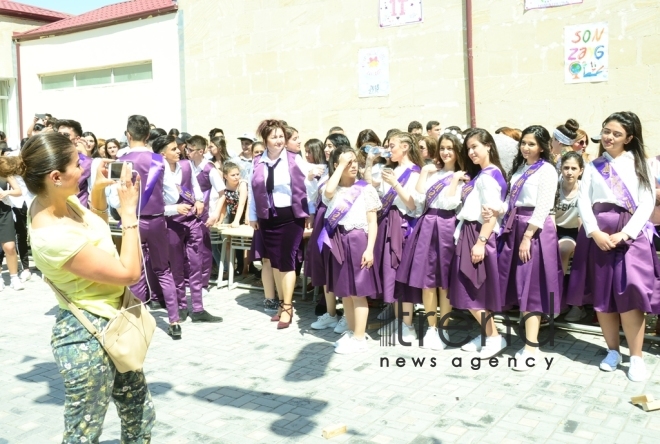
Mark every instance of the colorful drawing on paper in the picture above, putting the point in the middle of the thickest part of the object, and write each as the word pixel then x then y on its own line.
pixel 586 53
pixel 373 72
pixel 399 12
pixel 540 4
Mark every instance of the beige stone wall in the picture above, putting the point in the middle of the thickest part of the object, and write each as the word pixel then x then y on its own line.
pixel 297 60
pixel 9 25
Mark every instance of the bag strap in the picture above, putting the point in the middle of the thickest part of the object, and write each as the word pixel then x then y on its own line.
pixel 76 312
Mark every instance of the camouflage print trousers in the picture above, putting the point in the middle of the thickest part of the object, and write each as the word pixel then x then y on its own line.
pixel 90 380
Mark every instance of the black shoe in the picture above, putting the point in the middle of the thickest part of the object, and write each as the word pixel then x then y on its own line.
pixel 183 314
pixel 155 305
pixel 204 316
pixel 174 330
pixel 320 309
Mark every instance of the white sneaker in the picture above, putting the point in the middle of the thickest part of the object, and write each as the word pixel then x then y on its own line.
pixel 342 325
pixel 611 361
pixel 344 337
pixel 16 284
pixel 325 321
pixel 25 275
pixel 575 314
pixel 387 313
pixel 388 328
pixel 432 340
pixel 473 346
pixel 521 360
pixel 408 334
pixel 494 345
pixel 637 370
pixel 352 345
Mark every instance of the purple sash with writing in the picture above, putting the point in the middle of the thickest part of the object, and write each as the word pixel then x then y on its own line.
pixel 435 190
pixel 516 188
pixel 491 171
pixel 389 197
pixel 332 220
pixel 621 192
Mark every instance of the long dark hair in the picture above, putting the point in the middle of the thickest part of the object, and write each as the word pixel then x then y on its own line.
pixel 456 147
pixel 485 138
pixel 315 148
pixel 542 137
pixel 334 157
pixel 633 127
pixel 95 149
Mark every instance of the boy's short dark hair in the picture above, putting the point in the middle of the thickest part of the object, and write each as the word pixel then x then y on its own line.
pixel 414 125
pixel 431 124
pixel 198 142
pixel 138 127
pixel 74 125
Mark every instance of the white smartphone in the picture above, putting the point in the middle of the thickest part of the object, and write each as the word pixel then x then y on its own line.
pixel 114 170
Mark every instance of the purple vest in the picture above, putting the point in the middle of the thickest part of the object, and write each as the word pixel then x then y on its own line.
pixel 204 180
pixel 142 162
pixel 83 182
pixel 298 191
pixel 186 192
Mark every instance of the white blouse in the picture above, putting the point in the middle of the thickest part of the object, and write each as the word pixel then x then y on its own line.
pixel 356 217
pixel 382 187
pixel 486 192
pixel 443 201
pixel 539 191
pixel 312 187
pixel 281 182
pixel 593 189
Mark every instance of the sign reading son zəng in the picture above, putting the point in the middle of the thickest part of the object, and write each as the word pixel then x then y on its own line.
pixel 586 49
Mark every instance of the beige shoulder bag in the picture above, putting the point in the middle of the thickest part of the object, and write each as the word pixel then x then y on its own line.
pixel 126 337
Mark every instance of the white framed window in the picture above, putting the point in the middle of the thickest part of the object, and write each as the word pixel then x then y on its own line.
pixel 4 105
pixel 103 76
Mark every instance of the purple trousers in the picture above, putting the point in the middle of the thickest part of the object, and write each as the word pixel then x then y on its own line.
pixel 152 229
pixel 186 242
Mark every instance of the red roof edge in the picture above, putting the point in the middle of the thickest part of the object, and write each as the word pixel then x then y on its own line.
pixel 35 16
pixel 31 35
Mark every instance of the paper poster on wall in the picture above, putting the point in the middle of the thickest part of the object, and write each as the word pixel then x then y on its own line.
pixel 539 4
pixel 586 56
pixel 399 12
pixel 373 72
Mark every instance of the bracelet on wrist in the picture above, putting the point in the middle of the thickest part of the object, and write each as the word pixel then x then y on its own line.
pixel 128 227
pixel 96 210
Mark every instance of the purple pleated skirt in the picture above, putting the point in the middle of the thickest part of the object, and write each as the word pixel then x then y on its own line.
pixel 426 258
pixel 536 285
pixel 348 278
pixel 279 239
pixel 616 281
pixel 388 253
pixel 315 259
pixel 475 286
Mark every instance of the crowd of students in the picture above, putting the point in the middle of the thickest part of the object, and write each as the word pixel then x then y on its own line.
pixel 432 219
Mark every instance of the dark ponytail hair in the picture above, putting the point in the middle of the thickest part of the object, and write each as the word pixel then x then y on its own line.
pixel 542 137
pixel 633 127
pixel 42 154
pixel 334 157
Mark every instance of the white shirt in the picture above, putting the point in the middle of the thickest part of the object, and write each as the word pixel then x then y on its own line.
pixel 281 182
pixel 593 189
pixel 486 192
pixel 170 210
pixel 539 191
pixel 443 201
pixel 312 187
pixel 217 182
pixel 170 192
pixel 25 197
pixel 356 217
pixel 383 188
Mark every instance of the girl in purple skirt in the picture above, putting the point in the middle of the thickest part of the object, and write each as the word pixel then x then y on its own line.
pixel 396 221
pixel 278 210
pixel 474 280
pixel 350 232
pixel 426 259
pixel 615 267
pixel 531 275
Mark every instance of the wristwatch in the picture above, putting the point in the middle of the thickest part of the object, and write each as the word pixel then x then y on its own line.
pixel 483 239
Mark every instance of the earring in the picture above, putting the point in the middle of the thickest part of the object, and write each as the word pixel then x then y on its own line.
pixel 58 184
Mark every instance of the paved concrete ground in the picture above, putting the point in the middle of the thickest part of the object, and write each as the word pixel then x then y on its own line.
pixel 243 381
